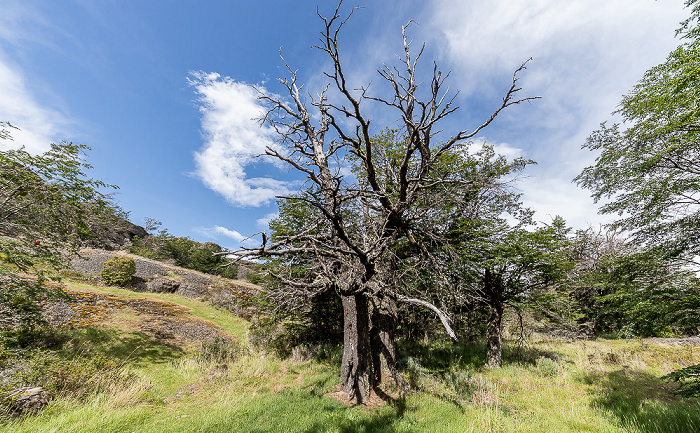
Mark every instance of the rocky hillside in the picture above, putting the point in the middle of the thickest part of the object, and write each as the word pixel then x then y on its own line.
pixel 159 277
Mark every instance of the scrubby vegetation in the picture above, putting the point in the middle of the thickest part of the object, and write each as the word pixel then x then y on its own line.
pixel 118 271
pixel 114 379
pixel 205 257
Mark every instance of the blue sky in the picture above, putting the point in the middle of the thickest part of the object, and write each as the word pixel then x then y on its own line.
pixel 161 89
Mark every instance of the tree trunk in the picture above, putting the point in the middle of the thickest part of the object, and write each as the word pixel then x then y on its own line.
pixel 356 377
pixel 384 318
pixel 493 288
pixel 493 336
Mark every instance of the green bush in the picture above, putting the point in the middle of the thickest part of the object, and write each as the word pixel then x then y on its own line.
pixel 221 350
pixel 688 380
pixel 547 367
pixel 118 271
pixel 270 334
pixel 465 383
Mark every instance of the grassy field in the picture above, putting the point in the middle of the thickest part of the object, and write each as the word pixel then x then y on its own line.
pixel 551 386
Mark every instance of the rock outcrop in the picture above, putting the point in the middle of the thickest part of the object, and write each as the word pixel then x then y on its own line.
pixel 27 400
pixel 157 277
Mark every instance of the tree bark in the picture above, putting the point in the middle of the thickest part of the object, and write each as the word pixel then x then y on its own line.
pixel 493 288
pixel 356 376
pixel 384 319
pixel 493 336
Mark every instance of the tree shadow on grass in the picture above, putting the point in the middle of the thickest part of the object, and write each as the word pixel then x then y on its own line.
pixel 371 419
pixel 378 424
pixel 137 346
pixel 445 356
pixel 644 402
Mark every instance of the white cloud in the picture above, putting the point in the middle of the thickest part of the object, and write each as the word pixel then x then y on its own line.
pixel 505 149
pixel 264 222
pixel 586 56
pixel 39 124
pixel 550 197
pixel 233 139
pixel 217 232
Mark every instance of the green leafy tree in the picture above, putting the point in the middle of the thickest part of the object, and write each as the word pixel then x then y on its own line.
pixel 46 205
pixel 649 165
pixel 504 264
pixel 620 287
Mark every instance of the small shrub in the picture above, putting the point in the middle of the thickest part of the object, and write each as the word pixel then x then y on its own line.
pixel 79 376
pixel 268 334
pixel 465 383
pixel 547 367
pixel 118 271
pixel 221 351
pixel 330 353
pixel 302 354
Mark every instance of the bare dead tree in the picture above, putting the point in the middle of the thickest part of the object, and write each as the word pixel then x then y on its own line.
pixel 354 223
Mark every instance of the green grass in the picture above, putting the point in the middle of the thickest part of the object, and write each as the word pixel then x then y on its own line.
pixel 595 386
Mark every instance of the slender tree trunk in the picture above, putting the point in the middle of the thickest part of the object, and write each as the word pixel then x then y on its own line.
pixel 384 318
pixel 493 336
pixel 356 377
pixel 493 288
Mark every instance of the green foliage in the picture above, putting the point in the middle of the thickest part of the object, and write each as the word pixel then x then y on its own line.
pixel 20 317
pixel 547 367
pixel 184 252
pixel 465 383
pixel 118 271
pixel 316 323
pixel 48 207
pixel 689 380
pixel 46 202
pixel 269 334
pixel 77 376
pixel 633 291
pixel 221 350
pixel 648 172
pixel 649 167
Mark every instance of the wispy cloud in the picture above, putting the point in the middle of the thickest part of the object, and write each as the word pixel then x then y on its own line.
pixel 586 56
pixel 39 121
pixel 233 139
pixel 39 124
pixel 264 222
pixel 219 232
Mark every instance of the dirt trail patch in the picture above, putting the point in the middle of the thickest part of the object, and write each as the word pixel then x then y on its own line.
pixel 163 320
